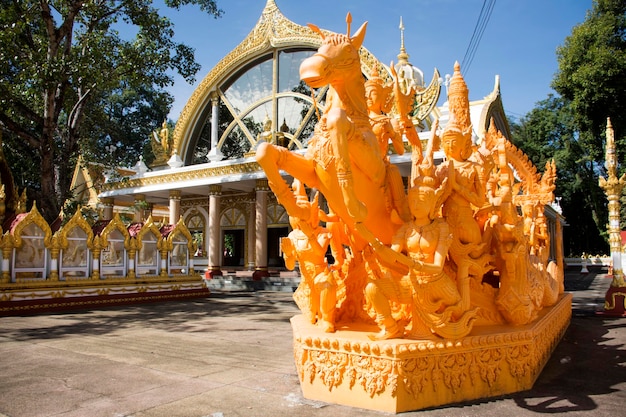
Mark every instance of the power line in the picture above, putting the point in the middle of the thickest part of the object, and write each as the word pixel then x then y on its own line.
pixel 479 30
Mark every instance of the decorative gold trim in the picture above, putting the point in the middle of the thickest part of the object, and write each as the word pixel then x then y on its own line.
pixel 215 189
pixel 32 288
pixel 169 177
pixel 33 217
pixel 79 221
pixel 148 226
pixel 262 185
pixel 426 99
pixel 611 303
pixel 115 223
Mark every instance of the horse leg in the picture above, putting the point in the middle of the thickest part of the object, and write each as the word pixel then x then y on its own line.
pixel 274 158
pixel 339 129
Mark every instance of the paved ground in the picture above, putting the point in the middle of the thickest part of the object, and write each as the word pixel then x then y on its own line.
pixel 231 355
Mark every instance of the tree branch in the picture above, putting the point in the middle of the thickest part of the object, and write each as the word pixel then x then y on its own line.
pixel 20 107
pixel 22 133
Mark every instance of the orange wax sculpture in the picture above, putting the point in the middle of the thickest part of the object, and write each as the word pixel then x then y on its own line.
pixel 440 291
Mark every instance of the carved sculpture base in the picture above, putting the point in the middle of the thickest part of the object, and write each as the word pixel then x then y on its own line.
pixel 402 375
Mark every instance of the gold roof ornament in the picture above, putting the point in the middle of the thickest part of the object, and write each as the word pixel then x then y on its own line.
pixel 411 77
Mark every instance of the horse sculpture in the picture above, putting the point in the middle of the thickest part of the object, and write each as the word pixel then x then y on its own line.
pixel 343 159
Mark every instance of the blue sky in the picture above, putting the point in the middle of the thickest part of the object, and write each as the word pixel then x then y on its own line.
pixel 518 44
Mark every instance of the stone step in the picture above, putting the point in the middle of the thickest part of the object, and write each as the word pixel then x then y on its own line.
pixel 234 283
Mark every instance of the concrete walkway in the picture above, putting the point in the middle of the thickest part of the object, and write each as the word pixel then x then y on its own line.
pixel 231 355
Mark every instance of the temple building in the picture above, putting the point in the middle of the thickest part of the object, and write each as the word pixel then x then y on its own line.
pixel 210 177
pixel 205 182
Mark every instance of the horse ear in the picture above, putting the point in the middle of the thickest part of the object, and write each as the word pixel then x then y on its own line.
pixel 316 30
pixel 357 39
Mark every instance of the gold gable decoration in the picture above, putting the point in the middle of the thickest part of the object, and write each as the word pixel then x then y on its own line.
pixel 273 30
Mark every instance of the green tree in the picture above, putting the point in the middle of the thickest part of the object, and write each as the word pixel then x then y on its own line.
pixel 592 80
pixel 550 132
pixel 120 125
pixel 61 60
pixel 592 75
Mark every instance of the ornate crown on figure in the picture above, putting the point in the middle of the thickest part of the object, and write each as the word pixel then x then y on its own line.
pixel 458 103
pixel 385 90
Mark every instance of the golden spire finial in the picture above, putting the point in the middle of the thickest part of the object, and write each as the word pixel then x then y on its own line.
pixel 403 57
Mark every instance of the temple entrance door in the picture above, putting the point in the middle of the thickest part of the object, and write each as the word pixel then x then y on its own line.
pixel 233 245
pixel 274 256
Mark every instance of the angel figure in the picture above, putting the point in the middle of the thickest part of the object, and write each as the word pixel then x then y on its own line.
pixel 379 98
pixel 422 244
pixel 307 243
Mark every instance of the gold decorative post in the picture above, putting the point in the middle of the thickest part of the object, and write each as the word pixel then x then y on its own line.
pixel 613 188
pixel 7 244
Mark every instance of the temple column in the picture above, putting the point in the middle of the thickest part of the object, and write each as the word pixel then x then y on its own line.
pixel 174 206
pixel 107 211
pixel 262 189
pixel 251 241
pixel 214 154
pixel 215 232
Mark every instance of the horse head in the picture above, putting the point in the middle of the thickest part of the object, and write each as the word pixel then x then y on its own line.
pixel 337 57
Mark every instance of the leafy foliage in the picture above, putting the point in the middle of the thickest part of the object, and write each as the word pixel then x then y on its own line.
pixel 72 76
pixel 592 75
pixel 550 132
pixel 592 81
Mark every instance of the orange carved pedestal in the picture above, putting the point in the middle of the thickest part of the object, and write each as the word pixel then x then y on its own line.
pixel 400 375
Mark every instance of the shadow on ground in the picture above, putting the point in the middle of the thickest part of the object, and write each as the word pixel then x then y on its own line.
pixel 588 361
pixel 194 315
pixel 566 383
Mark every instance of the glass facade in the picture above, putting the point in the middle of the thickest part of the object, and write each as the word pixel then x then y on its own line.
pixel 268 90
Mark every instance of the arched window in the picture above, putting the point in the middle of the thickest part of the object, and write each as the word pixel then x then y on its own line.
pixel 29 259
pixel 268 89
pixel 113 256
pixel 75 260
pixel 148 255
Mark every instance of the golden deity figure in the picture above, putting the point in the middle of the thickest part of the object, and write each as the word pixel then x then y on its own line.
pixel 379 102
pixel 161 144
pixel 388 129
pixel 467 179
pixel 307 243
pixel 466 170
pixel 433 296
pixel 266 135
pixel 528 279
